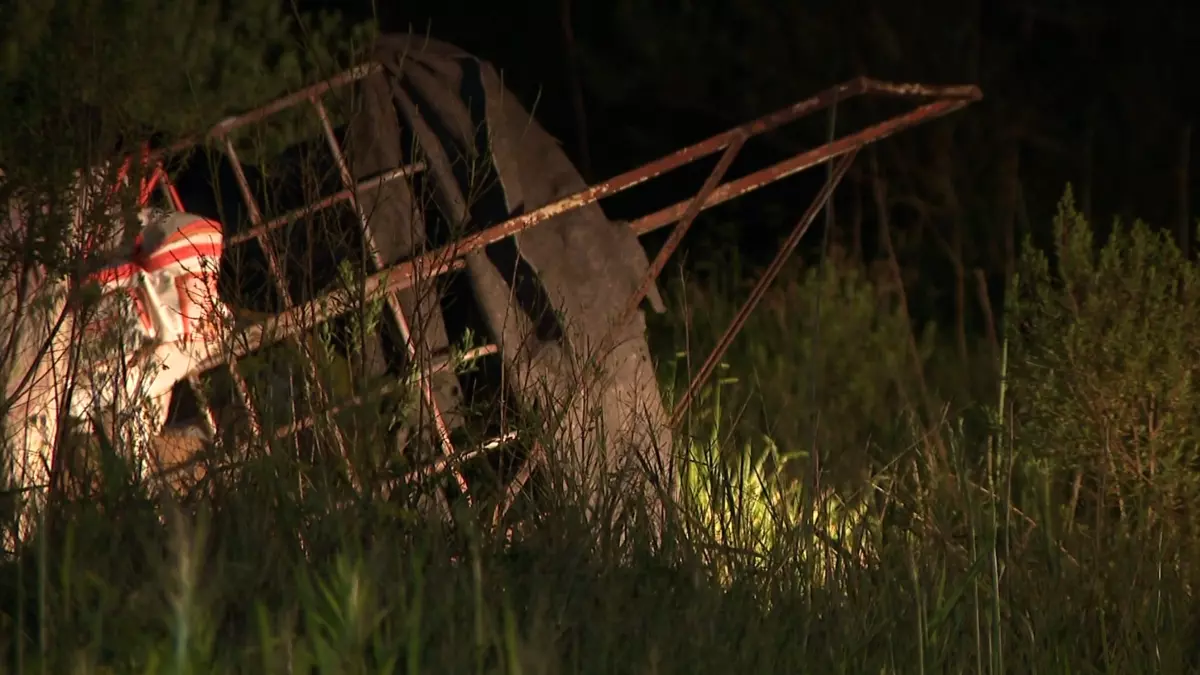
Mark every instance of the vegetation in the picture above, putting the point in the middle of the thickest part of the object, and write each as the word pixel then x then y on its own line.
pixel 852 504
pixel 1030 544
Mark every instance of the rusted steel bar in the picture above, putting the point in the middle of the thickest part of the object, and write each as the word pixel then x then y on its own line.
pixel 424 383
pixel 788 167
pixel 855 87
pixel 449 258
pixel 273 264
pixel 254 335
pixel 354 74
pixel 231 124
pixel 513 490
pixel 239 172
pixel 468 356
pixel 760 288
pixel 694 207
pixel 276 269
pixel 956 97
pixel 965 92
pixel 240 387
pixel 434 263
pixel 653 169
pixel 326 202
pixel 331 141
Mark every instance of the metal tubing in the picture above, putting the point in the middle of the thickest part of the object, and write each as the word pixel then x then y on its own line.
pixel 326 202
pixel 806 160
pixel 695 205
pixel 437 367
pixel 449 258
pixel 760 288
pixel 425 384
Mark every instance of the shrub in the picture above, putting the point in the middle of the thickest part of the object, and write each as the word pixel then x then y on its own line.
pixel 1104 342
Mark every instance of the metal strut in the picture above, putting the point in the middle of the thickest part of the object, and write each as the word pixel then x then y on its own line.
pixel 393 299
pixel 276 270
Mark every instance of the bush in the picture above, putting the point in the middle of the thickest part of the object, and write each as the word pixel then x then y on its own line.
pixel 1104 373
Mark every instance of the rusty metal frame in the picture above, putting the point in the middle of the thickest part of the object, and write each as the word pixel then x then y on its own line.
pixel 936 101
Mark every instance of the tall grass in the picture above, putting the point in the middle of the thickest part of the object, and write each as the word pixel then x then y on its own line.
pixel 957 547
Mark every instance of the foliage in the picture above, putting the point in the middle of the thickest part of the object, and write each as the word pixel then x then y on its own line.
pixel 747 498
pixel 823 363
pixel 1105 339
pixel 951 564
pixel 96 72
pixel 89 81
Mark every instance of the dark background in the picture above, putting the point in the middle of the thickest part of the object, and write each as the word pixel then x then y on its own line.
pixel 1095 94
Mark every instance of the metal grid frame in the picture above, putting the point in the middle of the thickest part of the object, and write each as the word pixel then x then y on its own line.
pixel 385 282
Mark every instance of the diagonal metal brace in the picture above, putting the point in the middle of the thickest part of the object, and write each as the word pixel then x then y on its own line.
pixel 760 289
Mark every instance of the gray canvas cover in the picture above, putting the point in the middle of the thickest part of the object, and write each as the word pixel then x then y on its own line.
pixel 550 299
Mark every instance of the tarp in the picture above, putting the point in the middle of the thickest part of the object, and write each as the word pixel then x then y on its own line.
pixel 550 297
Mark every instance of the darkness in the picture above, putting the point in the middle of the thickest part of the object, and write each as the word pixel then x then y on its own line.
pixel 1091 94
pixel 1049 71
